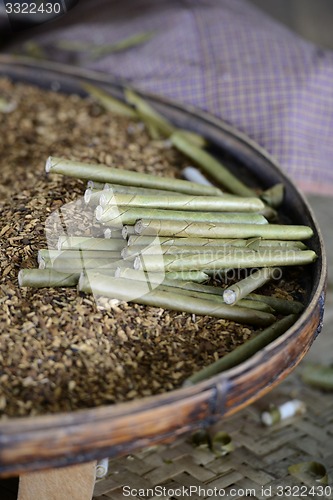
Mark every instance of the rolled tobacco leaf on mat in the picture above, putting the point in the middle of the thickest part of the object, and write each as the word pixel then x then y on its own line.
pixel 308 472
pixel 244 351
pixel 221 444
pixel 287 410
pixel 215 230
pixel 103 173
pixel 318 376
pixel 254 281
pixel 129 290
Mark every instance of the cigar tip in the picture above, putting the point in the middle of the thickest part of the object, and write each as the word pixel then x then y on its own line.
pixel 102 200
pixel 41 263
pixel 124 232
pixel 107 233
pixel 229 297
pixel 87 195
pixel 20 277
pixel 48 164
pixel 137 263
pixel 117 273
pixel 80 283
pixel 99 212
pixel 138 226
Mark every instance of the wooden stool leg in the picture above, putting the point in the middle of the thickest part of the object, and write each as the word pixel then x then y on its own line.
pixel 72 483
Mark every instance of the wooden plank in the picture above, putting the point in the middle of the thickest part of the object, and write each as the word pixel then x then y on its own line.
pixel 75 483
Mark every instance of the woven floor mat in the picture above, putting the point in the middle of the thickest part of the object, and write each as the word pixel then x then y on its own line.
pixel 260 459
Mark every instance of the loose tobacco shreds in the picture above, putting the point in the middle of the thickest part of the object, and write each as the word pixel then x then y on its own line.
pixel 58 351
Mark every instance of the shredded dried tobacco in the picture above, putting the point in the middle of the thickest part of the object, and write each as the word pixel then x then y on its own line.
pixel 58 351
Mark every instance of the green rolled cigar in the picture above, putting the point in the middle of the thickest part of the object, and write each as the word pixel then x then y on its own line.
pixel 137 292
pixel 117 216
pixel 278 304
pixel 81 255
pixel 107 195
pixel 172 241
pixel 217 298
pixel 242 288
pixel 148 114
pixel 130 252
pixel 132 274
pixel 281 306
pixel 172 279
pixel 46 278
pixel 257 306
pixel 223 203
pixel 95 186
pixel 274 195
pixel 127 231
pixel 215 230
pixel 244 351
pixel 195 175
pixel 121 189
pixel 92 197
pixel 115 234
pixel 87 243
pixel 197 276
pixel 211 166
pixel 103 173
pixel 109 102
pixel 135 250
pixel 165 284
pixel 76 265
pixel 224 260
pixel 158 124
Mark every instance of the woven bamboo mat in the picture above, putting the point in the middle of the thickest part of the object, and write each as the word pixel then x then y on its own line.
pixel 260 459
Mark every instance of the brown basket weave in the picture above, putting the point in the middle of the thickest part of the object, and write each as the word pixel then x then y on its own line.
pixel 260 460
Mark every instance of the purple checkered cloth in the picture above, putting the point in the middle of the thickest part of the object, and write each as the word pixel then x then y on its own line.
pixel 225 57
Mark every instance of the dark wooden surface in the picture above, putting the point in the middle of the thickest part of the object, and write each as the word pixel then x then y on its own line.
pixel 64 439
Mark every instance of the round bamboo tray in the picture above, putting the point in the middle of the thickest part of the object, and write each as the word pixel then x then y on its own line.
pixel 28 444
